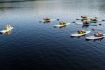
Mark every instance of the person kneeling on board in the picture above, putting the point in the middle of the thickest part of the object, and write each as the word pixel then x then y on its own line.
pixel 83 18
pixel 98 34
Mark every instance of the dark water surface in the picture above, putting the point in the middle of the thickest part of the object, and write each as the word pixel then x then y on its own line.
pixel 34 45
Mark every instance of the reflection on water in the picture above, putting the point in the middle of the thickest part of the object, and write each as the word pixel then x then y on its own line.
pixel 82 7
pixel 95 39
pixel 85 26
pixel 36 45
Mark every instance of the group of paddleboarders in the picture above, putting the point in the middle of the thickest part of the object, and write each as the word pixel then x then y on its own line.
pixel 98 34
pixel 87 20
pixel 61 24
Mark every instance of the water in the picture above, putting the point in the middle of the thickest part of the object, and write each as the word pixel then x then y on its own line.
pixel 34 45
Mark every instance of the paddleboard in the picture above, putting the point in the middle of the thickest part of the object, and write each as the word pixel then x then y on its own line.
pixel 93 37
pixel 76 34
pixel 61 25
pixel 4 31
pixel 93 24
pixel 49 20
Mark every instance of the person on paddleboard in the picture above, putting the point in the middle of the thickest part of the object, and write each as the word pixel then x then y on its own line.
pixel 46 18
pixel 94 19
pixel 62 23
pixel 85 22
pixel 84 18
pixel 81 31
pixel 98 34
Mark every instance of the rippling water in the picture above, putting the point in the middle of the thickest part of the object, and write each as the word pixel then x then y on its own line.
pixel 36 45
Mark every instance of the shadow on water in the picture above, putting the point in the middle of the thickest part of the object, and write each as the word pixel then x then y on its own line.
pixel 85 26
pixel 95 39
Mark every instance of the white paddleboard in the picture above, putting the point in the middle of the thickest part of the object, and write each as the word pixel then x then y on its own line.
pixel 76 34
pixel 62 25
pixel 49 20
pixel 93 37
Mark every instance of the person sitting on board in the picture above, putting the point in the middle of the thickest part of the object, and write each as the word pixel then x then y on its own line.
pixel 94 19
pixel 85 22
pixel 98 34
pixel 81 32
pixel 84 18
pixel 46 18
pixel 62 23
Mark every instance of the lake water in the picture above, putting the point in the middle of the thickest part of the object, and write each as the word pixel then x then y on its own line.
pixel 35 45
